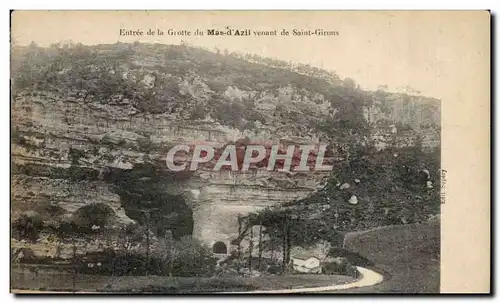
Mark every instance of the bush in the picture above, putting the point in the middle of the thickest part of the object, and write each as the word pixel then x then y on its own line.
pixel 191 258
pixel 351 257
pixel 119 264
pixel 50 211
pixel 23 255
pixel 184 258
pixel 145 144
pixel 342 268
pixel 350 270
pixel 28 226
pixel 98 214
pixel 274 269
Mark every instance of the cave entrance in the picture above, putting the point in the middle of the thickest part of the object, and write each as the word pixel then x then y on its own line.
pixel 219 248
pixel 144 196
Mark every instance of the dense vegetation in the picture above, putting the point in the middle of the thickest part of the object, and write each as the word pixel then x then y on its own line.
pixel 193 83
pixel 395 186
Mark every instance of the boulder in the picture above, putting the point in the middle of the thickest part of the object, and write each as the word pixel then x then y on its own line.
pixel 353 200
pixel 345 186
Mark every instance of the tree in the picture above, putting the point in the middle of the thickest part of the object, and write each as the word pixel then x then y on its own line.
pixel 28 225
pixel 94 214
pixel 130 236
pixel 192 258
pixel 261 248
pixel 350 84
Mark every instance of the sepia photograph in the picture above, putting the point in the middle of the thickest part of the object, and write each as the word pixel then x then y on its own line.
pixel 211 152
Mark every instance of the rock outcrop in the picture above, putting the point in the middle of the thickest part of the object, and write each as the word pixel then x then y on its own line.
pixel 93 132
pixel 63 149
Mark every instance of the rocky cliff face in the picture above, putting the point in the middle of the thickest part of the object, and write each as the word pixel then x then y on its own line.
pixel 87 131
pixel 64 150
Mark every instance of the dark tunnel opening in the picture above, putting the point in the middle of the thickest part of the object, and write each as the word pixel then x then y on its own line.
pixel 144 196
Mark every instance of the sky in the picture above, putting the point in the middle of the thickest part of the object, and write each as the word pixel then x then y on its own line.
pixel 421 49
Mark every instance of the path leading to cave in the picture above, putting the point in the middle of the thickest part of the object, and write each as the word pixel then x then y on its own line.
pixel 369 278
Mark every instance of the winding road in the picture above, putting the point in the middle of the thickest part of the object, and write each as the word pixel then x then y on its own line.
pixel 369 278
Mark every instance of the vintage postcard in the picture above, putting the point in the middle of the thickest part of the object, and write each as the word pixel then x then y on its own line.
pixel 284 152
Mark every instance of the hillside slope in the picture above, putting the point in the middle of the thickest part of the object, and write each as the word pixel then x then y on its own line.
pixel 409 256
pixel 242 92
pixel 92 124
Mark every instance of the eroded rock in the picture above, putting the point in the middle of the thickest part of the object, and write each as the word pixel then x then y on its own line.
pixel 345 186
pixel 353 200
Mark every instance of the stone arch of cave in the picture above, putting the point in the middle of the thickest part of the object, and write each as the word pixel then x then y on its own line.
pixel 145 199
pixel 219 248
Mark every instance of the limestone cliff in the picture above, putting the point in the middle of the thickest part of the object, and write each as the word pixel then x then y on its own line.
pixel 63 150
pixel 92 125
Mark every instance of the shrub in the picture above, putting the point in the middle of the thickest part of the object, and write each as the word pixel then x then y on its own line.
pixel 145 144
pixel 23 255
pixel 28 225
pixel 185 258
pixel 191 258
pixel 351 257
pixel 343 267
pixel 49 210
pixel 351 270
pixel 274 269
pixel 97 214
pixel 75 155
pixel 118 264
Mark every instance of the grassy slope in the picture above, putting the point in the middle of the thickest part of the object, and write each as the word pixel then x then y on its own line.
pixel 63 281
pixel 407 255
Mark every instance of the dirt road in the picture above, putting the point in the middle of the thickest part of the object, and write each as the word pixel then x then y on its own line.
pixel 369 278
